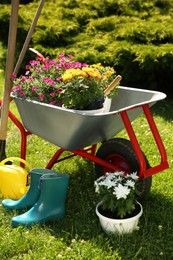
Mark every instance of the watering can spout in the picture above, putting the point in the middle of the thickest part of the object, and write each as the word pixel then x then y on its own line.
pixel 13 178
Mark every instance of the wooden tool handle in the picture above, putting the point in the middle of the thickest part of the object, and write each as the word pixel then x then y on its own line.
pixel 113 84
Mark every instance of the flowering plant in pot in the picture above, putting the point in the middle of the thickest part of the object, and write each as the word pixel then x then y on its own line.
pixel 64 81
pixel 117 193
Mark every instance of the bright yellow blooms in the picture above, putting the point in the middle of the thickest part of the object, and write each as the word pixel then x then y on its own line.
pixel 93 71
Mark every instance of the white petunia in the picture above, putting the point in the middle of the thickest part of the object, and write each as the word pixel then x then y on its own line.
pixel 121 191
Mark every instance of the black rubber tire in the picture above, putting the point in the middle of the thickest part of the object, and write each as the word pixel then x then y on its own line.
pixel 120 152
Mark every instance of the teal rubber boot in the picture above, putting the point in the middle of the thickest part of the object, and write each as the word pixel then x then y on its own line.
pixel 51 203
pixel 30 198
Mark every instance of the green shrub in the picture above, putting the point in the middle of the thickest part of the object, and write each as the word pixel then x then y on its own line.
pixel 135 37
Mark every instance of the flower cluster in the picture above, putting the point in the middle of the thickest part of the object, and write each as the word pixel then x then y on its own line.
pixel 118 192
pixel 63 81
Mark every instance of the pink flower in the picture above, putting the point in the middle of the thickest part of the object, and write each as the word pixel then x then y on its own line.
pixel 27 67
pixel 23 79
pixel 52 103
pixel 51 82
pixel 34 89
pixel 45 79
pixel 59 90
pixel 16 88
pixel 41 97
pixel 34 62
pixel 70 56
pixel 27 72
pixel 62 55
pixel 58 79
pixel 13 76
pixel 52 62
pixel 21 93
pixel 52 94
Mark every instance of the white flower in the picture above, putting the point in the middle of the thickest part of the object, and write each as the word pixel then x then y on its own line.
pixel 130 183
pixel 119 179
pixel 121 191
pixel 96 187
pixel 114 188
pixel 134 176
pixel 109 183
pixel 100 178
pixel 118 173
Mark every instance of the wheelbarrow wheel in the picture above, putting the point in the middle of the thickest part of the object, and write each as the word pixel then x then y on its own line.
pixel 120 153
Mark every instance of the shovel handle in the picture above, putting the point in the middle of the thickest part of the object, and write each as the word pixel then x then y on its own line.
pixel 113 84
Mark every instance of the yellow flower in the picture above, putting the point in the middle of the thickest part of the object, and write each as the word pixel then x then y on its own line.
pixel 69 74
pixel 92 72
pixel 97 66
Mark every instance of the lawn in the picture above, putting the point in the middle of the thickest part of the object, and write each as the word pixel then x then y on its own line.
pixel 79 235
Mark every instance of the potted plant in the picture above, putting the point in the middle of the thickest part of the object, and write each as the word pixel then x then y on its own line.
pixel 118 209
pixel 64 82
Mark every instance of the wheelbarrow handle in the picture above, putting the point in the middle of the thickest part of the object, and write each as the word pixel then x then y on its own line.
pixel 38 54
pixel 113 84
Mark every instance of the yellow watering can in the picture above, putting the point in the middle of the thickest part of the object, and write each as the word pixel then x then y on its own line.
pixel 13 179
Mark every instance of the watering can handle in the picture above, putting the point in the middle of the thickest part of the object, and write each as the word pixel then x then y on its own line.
pixel 16 159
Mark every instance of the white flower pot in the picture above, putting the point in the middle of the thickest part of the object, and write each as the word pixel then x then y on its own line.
pixel 118 226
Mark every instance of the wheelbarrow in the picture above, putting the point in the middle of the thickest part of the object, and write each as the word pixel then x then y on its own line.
pixel 82 134
pixel 94 136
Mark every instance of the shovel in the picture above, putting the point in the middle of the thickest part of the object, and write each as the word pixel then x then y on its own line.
pixel 8 73
pixel 9 67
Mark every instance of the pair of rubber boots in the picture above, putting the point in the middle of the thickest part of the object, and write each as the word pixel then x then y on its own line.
pixel 45 199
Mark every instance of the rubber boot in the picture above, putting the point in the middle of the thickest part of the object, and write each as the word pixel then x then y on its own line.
pixel 51 203
pixel 30 198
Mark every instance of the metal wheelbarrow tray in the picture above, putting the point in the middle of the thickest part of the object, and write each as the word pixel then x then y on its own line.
pixel 71 130
pixel 79 133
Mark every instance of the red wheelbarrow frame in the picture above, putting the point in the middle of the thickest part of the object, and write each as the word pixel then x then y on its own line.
pixel 89 152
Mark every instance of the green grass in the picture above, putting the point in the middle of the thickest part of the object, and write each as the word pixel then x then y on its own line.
pixel 79 235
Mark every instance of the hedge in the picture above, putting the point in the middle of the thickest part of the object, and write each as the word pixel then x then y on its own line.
pixel 134 36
